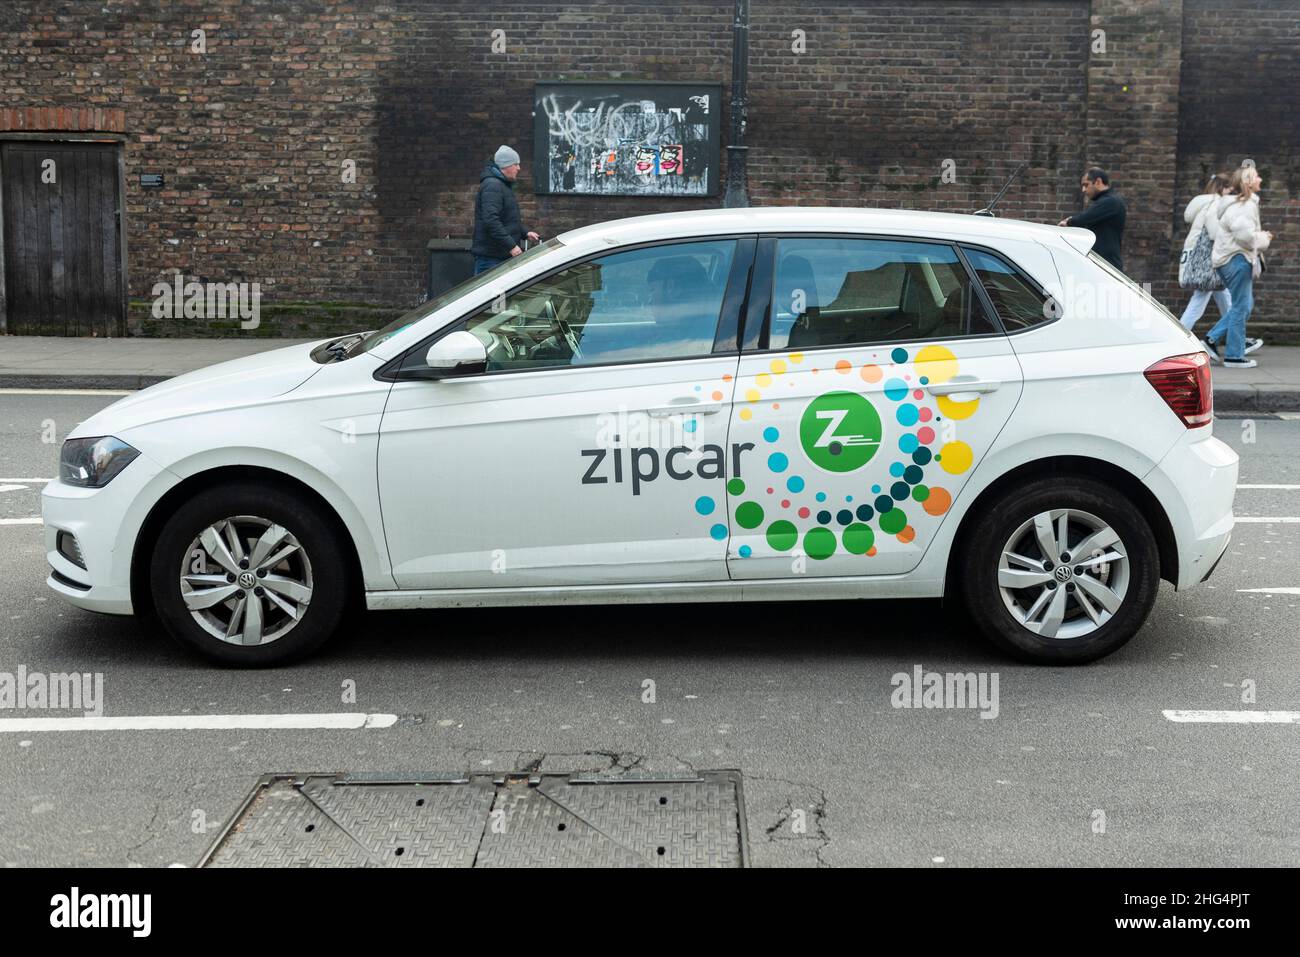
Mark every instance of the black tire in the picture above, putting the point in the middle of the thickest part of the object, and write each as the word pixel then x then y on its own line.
pixel 978 571
pixel 326 568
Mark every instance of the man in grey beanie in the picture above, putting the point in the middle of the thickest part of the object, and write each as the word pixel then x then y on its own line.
pixel 498 230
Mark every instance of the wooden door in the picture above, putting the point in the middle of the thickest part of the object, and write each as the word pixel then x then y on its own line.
pixel 61 241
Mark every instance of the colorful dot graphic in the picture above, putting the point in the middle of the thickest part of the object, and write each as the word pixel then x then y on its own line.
pixel 805 520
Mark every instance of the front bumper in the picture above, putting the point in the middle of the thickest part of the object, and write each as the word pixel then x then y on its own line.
pixel 105 522
pixel 1196 483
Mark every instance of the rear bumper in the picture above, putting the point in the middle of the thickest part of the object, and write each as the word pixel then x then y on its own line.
pixel 1196 483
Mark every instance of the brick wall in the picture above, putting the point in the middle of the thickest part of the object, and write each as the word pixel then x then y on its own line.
pixel 64 119
pixel 1134 50
pixel 1240 98
pixel 886 92
pixel 444 102
pixel 253 134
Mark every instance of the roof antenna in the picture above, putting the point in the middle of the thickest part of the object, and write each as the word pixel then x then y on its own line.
pixel 988 210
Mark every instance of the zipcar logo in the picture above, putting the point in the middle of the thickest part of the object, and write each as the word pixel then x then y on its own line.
pixel 840 431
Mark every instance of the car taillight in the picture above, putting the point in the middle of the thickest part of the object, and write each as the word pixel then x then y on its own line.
pixel 1184 383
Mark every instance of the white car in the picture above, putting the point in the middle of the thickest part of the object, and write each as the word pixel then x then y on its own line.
pixel 725 405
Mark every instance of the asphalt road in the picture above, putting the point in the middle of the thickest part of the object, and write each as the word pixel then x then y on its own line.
pixel 796 696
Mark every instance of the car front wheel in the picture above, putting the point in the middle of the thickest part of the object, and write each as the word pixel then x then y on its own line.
pixel 1061 571
pixel 249 575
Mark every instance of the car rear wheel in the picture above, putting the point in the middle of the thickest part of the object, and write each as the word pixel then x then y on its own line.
pixel 1061 571
pixel 249 575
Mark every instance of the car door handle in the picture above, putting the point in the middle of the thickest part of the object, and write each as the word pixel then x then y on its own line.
pixel 964 383
pixel 686 404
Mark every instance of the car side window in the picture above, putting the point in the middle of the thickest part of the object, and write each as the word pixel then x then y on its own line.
pixel 659 302
pixel 1017 301
pixel 835 292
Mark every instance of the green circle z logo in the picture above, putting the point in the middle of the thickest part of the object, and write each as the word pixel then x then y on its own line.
pixel 840 431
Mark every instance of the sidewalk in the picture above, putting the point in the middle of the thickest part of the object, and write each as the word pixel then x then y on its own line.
pixel 43 362
pixel 55 362
pixel 1272 386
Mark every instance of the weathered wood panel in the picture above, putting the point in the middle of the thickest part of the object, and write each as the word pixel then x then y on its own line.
pixel 62 241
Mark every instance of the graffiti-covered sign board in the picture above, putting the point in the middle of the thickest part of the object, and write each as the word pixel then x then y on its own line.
pixel 627 139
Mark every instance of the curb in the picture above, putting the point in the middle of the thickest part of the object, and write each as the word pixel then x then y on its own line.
pixel 68 380
pixel 1256 398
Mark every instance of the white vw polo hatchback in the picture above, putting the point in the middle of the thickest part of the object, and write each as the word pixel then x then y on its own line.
pixel 728 405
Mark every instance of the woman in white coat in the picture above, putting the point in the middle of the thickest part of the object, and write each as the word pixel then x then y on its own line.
pixel 1236 259
pixel 1202 215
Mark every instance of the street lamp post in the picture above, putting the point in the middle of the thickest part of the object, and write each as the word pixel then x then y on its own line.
pixel 737 194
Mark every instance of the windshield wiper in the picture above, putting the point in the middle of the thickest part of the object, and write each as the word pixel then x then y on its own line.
pixel 341 348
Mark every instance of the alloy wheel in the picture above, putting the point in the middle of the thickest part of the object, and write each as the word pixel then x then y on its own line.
pixel 246 580
pixel 1063 574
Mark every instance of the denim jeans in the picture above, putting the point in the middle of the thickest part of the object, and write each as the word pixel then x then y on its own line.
pixel 484 263
pixel 1200 299
pixel 1236 276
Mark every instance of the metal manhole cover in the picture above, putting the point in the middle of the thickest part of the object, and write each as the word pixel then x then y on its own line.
pixel 579 820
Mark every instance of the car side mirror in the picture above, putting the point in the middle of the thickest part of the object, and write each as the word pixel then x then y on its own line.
pixel 456 354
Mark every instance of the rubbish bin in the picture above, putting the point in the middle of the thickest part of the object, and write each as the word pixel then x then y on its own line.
pixel 450 263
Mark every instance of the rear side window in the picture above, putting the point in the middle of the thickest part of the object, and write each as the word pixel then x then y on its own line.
pixel 1016 298
pixel 838 292
pixel 1134 290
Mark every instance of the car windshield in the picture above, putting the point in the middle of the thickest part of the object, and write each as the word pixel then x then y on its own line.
pixel 431 306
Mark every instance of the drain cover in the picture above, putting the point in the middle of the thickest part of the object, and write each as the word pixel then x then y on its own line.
pixel 537 820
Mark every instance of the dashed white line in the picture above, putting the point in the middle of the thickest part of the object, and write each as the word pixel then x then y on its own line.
pixel 202 722
pixel 1285 488
pixel 1267 520
pixel 32 520
pixel 1285 590
pixel 28 481
pixel 1234 717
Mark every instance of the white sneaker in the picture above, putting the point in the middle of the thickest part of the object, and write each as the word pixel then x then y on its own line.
pixel 1252 345
pixel 1239 363
pixel 1212 350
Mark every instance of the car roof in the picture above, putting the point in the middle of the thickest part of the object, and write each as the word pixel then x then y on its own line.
pixel 903 222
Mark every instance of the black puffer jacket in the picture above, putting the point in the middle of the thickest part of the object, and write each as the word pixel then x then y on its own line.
pixel 497 226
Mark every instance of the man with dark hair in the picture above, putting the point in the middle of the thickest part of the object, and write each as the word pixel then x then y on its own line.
pixel 1104 215
pixel 498 229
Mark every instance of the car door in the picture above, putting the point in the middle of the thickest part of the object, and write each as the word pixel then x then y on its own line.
pixel 874 379
pixel 591 451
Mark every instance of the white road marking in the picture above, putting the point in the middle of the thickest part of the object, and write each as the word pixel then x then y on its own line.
pixel 12 488
pixel 1269 520
pixel 28 481
pixel 202 722
pixel 33 520
pixel 1286 590
pixel 1234 717
pixel 67 391
pixel 1285 488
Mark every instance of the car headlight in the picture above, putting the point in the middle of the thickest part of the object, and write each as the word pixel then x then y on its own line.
pixel 92 463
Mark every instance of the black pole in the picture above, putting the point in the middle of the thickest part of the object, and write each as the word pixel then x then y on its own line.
pixel 737 194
